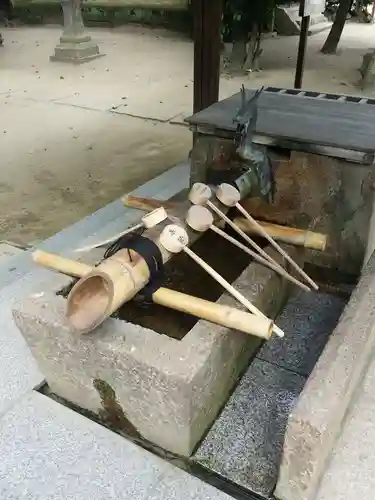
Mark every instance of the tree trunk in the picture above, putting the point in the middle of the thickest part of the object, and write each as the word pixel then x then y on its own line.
pixel 254 51
pixel 334 35
pixel 237 57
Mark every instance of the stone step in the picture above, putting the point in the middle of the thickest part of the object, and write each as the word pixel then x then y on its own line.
pixel 317 419
pixel 351 471
pixel 245 443
pixel 50 452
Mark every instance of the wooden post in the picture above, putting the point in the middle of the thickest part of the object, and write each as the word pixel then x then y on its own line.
pixel 304 33
pixel 207 44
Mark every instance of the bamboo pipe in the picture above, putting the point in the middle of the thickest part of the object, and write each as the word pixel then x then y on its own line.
pixel 215 313
pixel 148 221
pixel 61 264
pixel 107 287
pixel 200 219
pixel 200 194
pixel 146 204
pixel 285 234
pixel 175 239
pixel 210 311
pixel 230 197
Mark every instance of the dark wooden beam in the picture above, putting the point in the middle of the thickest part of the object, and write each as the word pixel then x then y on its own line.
pixel 207 46
pixel 302 45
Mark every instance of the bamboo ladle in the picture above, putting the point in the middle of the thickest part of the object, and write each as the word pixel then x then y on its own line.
pixel 210 311
pixel 175 239
pixel 285 234
pixel 200 194
pixel 229 196
pixel 200 219
pixel 148 221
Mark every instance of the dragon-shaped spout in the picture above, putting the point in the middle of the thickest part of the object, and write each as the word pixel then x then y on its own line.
pixel 246 120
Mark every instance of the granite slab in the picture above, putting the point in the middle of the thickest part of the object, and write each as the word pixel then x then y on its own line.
pixel 317 420
pixel 244 445
pixel 7 251
pixel 308 119
pixel 177 485
pixel 49 452
pixel 308 320
pixel 351 472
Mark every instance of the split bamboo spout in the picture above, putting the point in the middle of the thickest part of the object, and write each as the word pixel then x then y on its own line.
pixel 210 311
pixel 107 287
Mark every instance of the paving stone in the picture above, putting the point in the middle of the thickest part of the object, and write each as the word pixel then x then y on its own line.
pixel 7 251
pixel 160 108
pixel 176 485
pixel 99 225
pixel 308 320
pixel 49 452
pixel 245 443
pixel 351 472
pixel 88 98
pixel 18 369
pixel 316 421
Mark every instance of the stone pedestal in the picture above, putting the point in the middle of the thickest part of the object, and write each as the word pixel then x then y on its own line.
pixel 145 383
pixel 75 46
pixel 367 71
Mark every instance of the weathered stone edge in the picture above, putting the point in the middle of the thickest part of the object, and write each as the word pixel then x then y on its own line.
pixel 315 423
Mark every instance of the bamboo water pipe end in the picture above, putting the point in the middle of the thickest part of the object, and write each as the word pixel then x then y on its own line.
pixel 286 234
pixel 79 311
pixel 95 288
pixel 316 241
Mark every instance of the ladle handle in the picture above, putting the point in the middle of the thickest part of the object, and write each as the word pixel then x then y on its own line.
pixel 260 259
pixel 241 233
pixel 111 239
pixel 287 257
pixel 229 288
